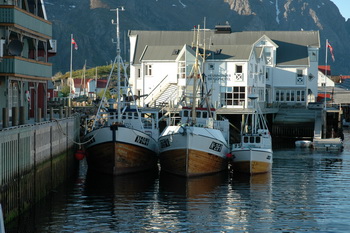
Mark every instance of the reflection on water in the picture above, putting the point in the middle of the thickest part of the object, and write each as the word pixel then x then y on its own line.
pixel 190 187
pixel 98 184
pixel 306 191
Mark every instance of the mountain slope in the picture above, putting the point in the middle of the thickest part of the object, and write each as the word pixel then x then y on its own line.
pixel 90 22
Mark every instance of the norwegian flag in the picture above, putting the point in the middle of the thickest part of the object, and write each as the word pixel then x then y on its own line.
pixel 331 50
pixel 75 44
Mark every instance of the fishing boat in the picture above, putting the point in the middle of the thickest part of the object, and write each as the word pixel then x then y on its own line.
pixel 196 145
pixel 123 138
pixel 254 153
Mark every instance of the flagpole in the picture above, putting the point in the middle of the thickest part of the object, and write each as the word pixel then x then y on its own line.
pixel 325 79
pixel 71 67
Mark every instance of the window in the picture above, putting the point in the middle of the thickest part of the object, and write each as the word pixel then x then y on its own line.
pixel 287 95
pixel 239 69
pixel 205 115
pixel 268 55
pixel 186 114
pixel 245 139
pixel 311 77
pixel 148 69
pixel 139 73
pixel 232 96
pixel 257 139
pixel 299 73
pixel 182 69
pixel 292 96
pixel 313 56
pixel 211 67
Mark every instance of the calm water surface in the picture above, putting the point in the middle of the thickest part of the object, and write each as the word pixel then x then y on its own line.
pixel 307 191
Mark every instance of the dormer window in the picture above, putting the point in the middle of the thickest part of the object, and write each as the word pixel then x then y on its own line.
pixel 218 51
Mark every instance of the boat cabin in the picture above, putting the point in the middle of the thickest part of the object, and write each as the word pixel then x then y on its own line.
pixel 260 139
pixel 204 116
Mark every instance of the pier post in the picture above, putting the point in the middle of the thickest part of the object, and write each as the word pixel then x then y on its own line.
pixel 61 112
pixel 38 115
pixel 5 118
pixel 69 111
pixel 22 113
pixel 14 116
pixel 51 113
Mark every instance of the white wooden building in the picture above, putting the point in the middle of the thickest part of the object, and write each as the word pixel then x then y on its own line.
pixel 280 66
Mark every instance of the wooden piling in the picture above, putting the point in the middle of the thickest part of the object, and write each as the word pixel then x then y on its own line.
pixel 15 113
pixel 5 118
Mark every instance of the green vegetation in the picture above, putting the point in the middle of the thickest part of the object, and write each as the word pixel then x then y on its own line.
pixel 65 91
pixel 102 73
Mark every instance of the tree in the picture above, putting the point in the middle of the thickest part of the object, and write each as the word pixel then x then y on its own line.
pixel 65 91
pixel 108 94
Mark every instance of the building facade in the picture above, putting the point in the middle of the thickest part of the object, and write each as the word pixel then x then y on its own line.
pixel 280 66
pixel 25 47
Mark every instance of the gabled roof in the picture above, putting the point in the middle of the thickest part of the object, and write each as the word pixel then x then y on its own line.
pixel 292 45
pixel 229 52
pixel 161 53
pixel 325 69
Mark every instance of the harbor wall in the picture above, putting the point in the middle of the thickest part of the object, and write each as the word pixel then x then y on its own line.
pixel 34 159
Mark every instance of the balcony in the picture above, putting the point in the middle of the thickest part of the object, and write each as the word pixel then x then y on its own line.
pixel 25 68
pixel 18 18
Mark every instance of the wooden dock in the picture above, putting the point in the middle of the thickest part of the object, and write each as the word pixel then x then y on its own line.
pixel 328 144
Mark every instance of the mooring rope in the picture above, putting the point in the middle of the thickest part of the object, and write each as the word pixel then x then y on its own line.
pixel 75 142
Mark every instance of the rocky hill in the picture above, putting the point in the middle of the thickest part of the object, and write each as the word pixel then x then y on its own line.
pixel 90 22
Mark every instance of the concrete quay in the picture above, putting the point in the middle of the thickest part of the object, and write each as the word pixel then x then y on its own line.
pixel 34 159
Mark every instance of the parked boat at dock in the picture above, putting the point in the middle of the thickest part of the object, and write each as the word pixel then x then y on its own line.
pixel 189 149
pixel 195 146
pixel 119 142
pixel 254 153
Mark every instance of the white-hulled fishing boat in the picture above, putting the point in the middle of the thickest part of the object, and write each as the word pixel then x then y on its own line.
pixel 254 153
pixel 195 146
pixel 119 142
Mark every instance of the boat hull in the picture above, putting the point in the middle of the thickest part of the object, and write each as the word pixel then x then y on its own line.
pixel 252 161
pixel 190 154
pixel 120 151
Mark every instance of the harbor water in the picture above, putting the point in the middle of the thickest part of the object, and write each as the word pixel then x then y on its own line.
pixel 306 191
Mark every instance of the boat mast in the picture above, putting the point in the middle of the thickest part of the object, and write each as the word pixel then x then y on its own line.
pixel 119 60
pixel 195 76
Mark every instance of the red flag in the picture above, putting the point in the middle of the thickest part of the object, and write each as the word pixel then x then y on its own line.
pixel 331 50
pixel 75 44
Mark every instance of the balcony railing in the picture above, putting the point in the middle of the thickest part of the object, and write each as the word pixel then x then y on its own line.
pixel 12 15
pixel 22 67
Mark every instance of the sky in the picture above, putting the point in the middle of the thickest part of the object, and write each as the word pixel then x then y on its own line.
pixel 344 7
